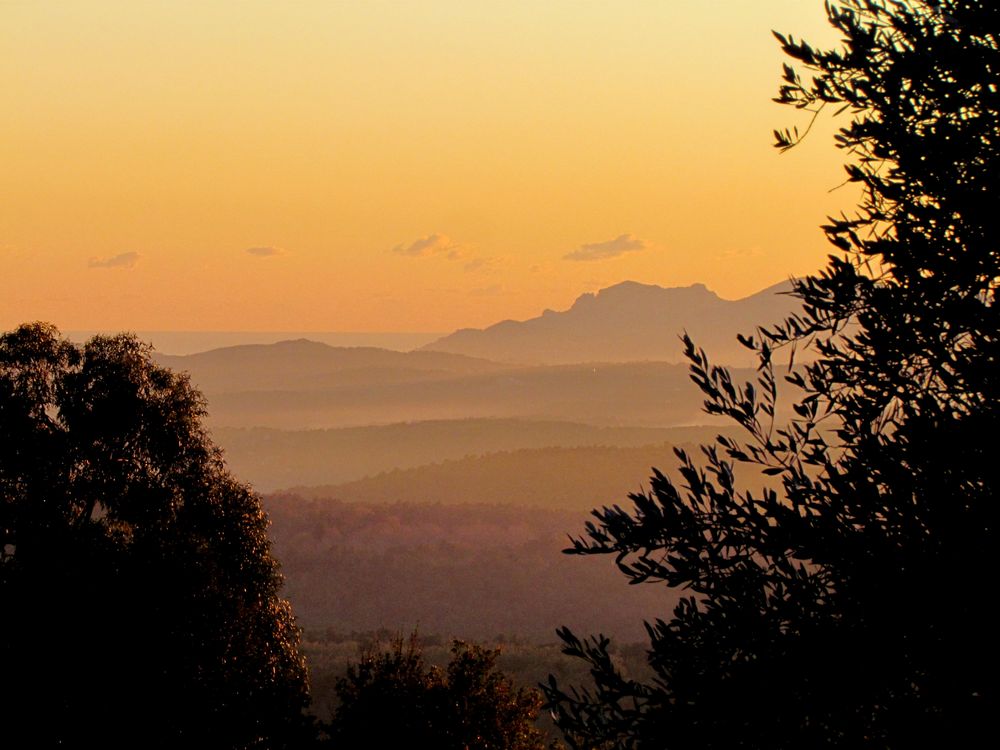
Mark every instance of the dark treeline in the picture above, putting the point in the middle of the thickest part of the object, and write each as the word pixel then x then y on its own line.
pixel 329 653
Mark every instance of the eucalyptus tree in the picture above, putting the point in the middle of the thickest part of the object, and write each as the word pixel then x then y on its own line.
pixel 140 601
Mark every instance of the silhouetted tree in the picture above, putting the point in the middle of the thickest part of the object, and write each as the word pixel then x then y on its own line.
pixel 138 598
pixel 391 698
pixel 850 608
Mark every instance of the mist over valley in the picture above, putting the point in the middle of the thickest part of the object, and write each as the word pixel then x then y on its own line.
pixel 439 485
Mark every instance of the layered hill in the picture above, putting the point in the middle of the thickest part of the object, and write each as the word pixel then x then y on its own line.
pixel 276 459
pixel 302 364
pixel 576 478
pixel 297 385
pixel 628 322
pixel 613 358
pixel 642 393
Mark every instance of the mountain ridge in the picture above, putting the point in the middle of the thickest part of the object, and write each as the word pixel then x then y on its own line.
pixel 628 321
pixel 310 364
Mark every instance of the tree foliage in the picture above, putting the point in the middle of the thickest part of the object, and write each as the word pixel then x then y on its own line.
pixel 140 601
pixel 850 607
pixel 391 698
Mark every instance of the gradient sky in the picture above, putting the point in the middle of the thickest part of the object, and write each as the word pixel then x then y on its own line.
pixel 378 166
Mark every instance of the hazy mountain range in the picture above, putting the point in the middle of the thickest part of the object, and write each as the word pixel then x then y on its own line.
pixel 193 342
pixel 628 322
pixel 436 486
pixel 613 358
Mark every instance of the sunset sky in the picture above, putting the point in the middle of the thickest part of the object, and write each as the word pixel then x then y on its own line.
pixel 381 166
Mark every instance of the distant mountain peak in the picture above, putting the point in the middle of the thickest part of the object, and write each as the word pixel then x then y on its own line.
pixel 301 343
pixel 635 292
pixel 627 321
pixel 636 288
pixel 629 285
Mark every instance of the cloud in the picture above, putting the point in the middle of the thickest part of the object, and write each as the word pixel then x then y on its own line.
pixel 433 244
pixel 485 265
pixel 123 260
pixel 486 291
pixel 624 243
pixel 265 252
pixel 742 252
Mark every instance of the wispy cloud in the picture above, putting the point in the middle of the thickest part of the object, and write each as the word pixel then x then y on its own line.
pixel 485 264
pixel 624 243
pixel 122 260
pixel 433 244
pixel 486 291
pixel 742 252
pixel 265 251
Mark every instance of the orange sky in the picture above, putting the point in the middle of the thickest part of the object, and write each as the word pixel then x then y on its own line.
pixel 386 166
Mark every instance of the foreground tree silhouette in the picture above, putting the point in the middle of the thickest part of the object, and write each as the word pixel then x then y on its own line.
pixel 139 597
pixel 850 608
pixel 391 698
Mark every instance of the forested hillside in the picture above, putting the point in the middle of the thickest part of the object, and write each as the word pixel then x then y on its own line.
pixel 473 571
pixel 577 478
pixel 279 459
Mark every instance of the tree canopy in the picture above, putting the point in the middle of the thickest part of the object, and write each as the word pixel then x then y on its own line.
pixel 140 601
pixel 849 607
pixel 392 698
